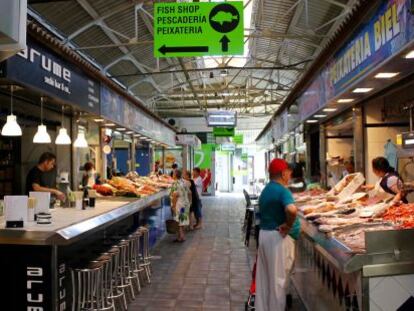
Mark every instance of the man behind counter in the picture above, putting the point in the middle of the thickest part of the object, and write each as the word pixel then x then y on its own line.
pixel 34 180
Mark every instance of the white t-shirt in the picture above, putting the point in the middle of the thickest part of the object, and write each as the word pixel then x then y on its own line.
pixel 199 185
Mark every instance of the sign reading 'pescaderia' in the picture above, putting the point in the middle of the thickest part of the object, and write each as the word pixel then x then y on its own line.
pixel 198 28
pixel 389 30
pixel 385 27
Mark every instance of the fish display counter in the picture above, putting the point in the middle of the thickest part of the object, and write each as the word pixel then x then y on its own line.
pixel 356 251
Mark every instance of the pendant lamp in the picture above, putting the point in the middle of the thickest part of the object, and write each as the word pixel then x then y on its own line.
pixel 11 128
pixel 63 137
pixel 41 136
pixel 80 141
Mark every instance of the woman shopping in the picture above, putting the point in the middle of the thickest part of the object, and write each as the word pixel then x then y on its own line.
pixel 181 202
pixel 389 180
pixel 195 208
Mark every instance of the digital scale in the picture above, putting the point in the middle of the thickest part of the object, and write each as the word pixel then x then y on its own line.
pixel 405 158
pixel 408 140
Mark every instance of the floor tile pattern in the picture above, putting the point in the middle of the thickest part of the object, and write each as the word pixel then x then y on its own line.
pixel 209 271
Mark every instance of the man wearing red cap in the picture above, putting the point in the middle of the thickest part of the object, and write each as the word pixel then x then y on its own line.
pixel 279 227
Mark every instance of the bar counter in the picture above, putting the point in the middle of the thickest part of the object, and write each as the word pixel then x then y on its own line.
pixel 69 225
pixel 35 260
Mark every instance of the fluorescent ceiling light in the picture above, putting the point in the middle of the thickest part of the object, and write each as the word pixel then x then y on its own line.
pixel 410 54
pixel 109 124
pixel 129 132
pixel 329 109
pixel 345 100
pixel 362 90
pixel 312 121
pixel 98 120
pixel 120 129
pixel 319 116
pixel 386 75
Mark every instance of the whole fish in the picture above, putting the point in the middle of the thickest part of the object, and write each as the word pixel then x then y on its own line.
pixel 223 17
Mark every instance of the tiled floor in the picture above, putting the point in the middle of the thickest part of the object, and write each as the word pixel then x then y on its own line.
pixel 210 271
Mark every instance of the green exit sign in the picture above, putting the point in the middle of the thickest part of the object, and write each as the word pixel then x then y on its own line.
pixel 223 131
pixel 199 28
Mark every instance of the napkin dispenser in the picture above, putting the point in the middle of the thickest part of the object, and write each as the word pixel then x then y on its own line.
pixel 15 210
pixel 42 201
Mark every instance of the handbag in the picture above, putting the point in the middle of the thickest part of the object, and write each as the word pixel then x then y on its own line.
pixel 171 226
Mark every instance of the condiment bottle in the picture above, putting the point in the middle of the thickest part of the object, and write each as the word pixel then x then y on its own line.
pixel 31 203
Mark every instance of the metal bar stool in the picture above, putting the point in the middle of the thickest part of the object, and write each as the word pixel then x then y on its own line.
pixel 105 284
pixel 130 267
pixel 86 288
pixel 110 278
pixel 125 269
pixel 136 257
pixel 145 256
pixel 118 282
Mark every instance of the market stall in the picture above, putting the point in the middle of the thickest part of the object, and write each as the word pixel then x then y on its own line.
pixel 354 249
pixel 52 102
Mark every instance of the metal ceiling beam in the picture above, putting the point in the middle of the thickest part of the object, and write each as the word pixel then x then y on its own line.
pixel 146 18
pixel 212 97
pixel 105 46
pixel 91 11
pixel 121 58
pixel 213 105
pixel 117 10
pixel 337 3
pixel 333 28
pixel 244 68
pixel 187 76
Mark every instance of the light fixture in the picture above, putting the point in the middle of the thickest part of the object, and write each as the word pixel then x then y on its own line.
pixel 109 124
pixel 63 137
pixel 386 75
pixel 41 136
pixel 312 121
pixel 345 100
pixel 98 120
pixel 129 132
pixel 320 116
pixel 410 54
pixel 223 72
pixel 120 129
pixel 362 90
pixel 11 128
pixel 80 141
pixel 329 109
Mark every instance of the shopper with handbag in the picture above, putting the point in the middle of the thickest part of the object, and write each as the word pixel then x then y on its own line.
pixel 181 202
pixel 195 209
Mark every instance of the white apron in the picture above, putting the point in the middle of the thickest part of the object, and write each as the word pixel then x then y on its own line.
pixel 274 264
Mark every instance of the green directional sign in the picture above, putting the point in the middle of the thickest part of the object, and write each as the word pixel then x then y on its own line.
pixel 238 139
pixel 223 131
pixel 199 28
